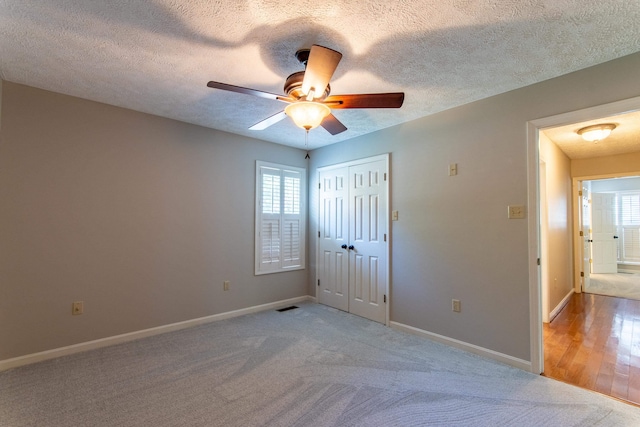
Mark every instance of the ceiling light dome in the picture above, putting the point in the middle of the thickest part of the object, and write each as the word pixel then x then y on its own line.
pixel 307 114
pixel 596 133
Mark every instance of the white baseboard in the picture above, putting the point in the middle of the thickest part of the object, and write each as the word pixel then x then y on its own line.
pixel 560 306
pixel 471 348
pixel 117 339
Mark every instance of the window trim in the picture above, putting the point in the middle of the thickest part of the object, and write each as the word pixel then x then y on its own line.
pixel 278 267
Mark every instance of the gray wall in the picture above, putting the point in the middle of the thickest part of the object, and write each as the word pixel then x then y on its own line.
pixel 453 239
pixel 143 217
pixel 140 217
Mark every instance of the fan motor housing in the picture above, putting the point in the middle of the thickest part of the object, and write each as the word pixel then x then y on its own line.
pixel 293 87
pixel 293 84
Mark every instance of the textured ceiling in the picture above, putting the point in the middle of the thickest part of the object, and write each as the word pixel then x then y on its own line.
pixel 157 56
pixel 625 138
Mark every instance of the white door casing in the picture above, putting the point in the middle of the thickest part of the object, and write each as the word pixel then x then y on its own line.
pixel 585 221
pixel 604 250
pixel 353 248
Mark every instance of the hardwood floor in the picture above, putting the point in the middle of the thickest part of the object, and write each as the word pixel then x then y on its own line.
pixel 594 343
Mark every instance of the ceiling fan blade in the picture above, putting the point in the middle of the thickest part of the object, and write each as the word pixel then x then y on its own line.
pixel 366 100
pixel 321 65
pixel 247 91
pixel 269 121
pixel 333 125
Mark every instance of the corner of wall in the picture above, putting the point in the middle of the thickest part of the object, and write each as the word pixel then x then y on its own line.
pixel 1 81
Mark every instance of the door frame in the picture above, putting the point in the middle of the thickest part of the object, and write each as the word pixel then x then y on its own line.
pixel 579 252
pixel 386 157
pixel 533 198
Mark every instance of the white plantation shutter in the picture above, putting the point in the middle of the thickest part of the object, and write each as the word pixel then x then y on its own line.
pixel 280 218
pixel 631 244
pixel 291 243
pixel 270 191
pixel 629 226
pixel 270 241
pixel 291 193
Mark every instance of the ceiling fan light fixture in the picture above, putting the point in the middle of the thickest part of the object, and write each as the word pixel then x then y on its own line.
pixel 307 114
pixel 596 133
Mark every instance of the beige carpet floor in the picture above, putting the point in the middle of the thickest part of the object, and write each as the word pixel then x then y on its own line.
pixel 312 366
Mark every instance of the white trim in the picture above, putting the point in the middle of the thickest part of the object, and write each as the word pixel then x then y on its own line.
pixel 592 113
pixel 471 348
pixel 533 126
pixel 384 156
pixel 533 225
pixel 259 268
pixel 560 306
pixel 607 176
pixel 578 248
pixel 118 339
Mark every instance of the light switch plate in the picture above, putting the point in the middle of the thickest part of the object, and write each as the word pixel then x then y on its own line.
pixel 394 215
pixel 516 212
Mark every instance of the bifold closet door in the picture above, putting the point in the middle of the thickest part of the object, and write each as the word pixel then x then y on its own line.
pixel 333 262
pixel 367 230
pixel 353 239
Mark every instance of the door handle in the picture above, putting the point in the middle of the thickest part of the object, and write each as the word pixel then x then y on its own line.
pixel 344 246
pixel 590 241
pixel 351 247
pixel 615 237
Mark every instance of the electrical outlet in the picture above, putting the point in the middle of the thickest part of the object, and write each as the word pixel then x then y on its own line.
pixel 226 285
pixel 455 305
pixel 77 307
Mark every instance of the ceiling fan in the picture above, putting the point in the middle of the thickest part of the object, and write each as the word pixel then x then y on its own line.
pixel 307 93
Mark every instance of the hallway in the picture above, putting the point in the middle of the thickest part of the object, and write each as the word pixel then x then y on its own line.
pixel 594 343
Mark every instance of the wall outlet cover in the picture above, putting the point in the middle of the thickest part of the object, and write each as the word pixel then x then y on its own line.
pixel 77 307
pixel 516 212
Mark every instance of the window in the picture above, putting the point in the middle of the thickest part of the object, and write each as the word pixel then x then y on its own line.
pixel 629 226
pixel 280 218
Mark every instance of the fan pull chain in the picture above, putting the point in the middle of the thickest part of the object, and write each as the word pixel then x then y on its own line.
pixel 306 144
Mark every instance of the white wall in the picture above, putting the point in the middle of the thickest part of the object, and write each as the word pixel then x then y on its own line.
pixel 140 217
pixel 617 184
pixel 453 239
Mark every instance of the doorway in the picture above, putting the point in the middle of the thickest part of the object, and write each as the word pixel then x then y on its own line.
pixel 353 241
pixel 533 153
pixel 613 269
